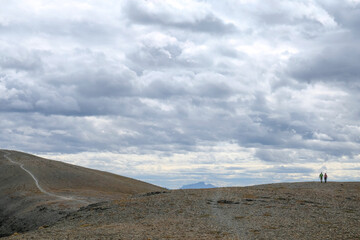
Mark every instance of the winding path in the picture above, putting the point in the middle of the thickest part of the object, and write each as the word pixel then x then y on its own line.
pixel 6 155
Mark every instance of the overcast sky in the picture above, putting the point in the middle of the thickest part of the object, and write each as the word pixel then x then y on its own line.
pixel 230 92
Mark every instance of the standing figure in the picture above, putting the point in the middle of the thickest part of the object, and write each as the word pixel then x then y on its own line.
pixel 325 177
pixel 321 177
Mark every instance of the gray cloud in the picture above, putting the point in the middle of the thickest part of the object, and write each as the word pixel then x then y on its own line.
pixel 100 84
pixel 282 169
pixel 345 15
pixel 24 62
pixel 333 63
pixel 277 79
pixel 207 23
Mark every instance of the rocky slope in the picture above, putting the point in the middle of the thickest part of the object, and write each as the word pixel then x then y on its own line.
pixel 62 188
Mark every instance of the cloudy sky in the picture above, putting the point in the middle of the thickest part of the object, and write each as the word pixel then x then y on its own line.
pixel 231 92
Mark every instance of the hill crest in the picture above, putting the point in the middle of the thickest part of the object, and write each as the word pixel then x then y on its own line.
pixel 36 191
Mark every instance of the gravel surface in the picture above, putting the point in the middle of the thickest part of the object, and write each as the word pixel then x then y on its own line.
pixel 274 211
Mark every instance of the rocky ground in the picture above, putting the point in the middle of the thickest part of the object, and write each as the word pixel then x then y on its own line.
pixel 275 211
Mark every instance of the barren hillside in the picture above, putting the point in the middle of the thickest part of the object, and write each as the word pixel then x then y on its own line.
pixel 62 188
pixel 307 210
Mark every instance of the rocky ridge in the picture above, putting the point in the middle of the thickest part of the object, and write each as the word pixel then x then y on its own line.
pixel 306 210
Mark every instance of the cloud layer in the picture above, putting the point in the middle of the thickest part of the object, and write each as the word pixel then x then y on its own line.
pixel 231 92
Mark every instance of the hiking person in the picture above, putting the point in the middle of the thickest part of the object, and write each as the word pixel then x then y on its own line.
pixel 325 177
pixel 321 177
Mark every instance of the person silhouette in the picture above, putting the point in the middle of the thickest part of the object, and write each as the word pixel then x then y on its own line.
pixel 321 177
pixel 325 177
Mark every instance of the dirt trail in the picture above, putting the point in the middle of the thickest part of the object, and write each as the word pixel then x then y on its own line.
pixel 223 214
pixel 6 155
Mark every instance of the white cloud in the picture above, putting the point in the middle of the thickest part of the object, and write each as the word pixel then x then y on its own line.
pixel 322 136
pixel 167 88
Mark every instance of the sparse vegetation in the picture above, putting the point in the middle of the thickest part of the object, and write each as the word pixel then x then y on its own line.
pixel 289 211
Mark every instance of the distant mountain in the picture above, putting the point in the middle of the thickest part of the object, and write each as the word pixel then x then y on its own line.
pixel 198 186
